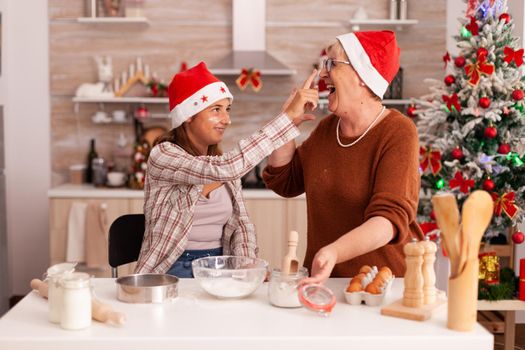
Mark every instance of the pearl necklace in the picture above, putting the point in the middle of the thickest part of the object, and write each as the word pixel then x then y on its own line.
pixel 360 137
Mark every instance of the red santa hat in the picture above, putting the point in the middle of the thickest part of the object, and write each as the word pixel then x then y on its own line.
pixel 192 91
pixel 374 56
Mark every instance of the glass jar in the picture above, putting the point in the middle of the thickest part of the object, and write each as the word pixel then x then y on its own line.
pixel 54 294
pixel 282 289
pixel 76 301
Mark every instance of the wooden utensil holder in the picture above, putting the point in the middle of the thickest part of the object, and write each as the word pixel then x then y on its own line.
pixel 463 298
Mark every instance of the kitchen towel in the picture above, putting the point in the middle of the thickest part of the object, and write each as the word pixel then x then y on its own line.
pixel 76 233
pixel 96 236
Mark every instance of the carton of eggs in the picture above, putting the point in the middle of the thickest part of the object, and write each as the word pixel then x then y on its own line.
pixel 370 286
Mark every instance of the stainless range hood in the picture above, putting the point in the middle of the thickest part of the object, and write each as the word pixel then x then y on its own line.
pixel 249 43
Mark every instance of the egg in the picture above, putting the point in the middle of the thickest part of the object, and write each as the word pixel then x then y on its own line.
pixel 355 287
pixel 365 269
pixel 373 288
pixel 386 270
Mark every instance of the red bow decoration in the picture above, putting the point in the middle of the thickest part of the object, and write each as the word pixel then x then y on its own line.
pixel 511 55
pixel 479 67
pixel 446 59
pixel 461 182
pixel 249 76
pixel 471 7
pixel 473 26
pixel 505 203
pixel 430 159
pixel 452 101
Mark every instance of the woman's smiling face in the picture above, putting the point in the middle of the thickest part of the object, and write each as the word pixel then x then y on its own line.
pixel 207 127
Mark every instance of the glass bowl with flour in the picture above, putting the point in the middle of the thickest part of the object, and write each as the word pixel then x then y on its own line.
pixel 229 276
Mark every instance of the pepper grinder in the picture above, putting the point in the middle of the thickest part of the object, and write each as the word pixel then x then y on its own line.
pixel 429 274
pixel 413 294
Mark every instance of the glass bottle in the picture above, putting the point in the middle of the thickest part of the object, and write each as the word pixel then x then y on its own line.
pixel 92 154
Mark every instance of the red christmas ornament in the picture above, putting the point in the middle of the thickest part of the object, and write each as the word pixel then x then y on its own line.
pixel 518 237
pixel 505 16
pixel 518 95
pixel 460 61
pixel 488 185
pixel 411 111
pixel 457 153
pixel 450 79
pixel 504 148
pixel 490 132
pixel 482 52
pixel 433 215
pixel 484 102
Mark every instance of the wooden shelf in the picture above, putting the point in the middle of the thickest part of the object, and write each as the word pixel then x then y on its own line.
pixel 501 305
pixel 399 24
pixel 500 249
pixel 113 20
pixel 155 100
pixel 102 100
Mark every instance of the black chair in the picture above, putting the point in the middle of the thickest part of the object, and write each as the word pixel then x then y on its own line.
pixel 125 239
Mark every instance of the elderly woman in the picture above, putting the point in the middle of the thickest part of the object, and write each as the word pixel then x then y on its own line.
pixel 193 201
pixel 358 168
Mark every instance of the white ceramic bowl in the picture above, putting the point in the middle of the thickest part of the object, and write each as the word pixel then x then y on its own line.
pixel 229 276
pixel 116 178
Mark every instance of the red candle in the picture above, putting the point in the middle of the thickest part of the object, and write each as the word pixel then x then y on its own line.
pixel 522 279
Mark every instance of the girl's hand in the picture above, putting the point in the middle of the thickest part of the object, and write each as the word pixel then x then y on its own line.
pixel 301 100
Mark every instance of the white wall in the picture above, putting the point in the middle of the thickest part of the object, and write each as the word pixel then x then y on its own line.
pixel 25 70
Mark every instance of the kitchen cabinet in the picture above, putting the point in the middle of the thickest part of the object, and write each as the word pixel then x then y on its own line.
pixel 272 215
pixel 273 219
pixel 59 216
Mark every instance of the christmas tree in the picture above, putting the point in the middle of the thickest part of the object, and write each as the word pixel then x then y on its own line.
pixel 471 125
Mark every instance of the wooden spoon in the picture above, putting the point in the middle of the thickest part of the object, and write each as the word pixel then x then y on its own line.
pixel 476 215
pixel 447 218
pixel 290 263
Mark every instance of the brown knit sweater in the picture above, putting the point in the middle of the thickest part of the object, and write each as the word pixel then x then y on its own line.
pixel 344 187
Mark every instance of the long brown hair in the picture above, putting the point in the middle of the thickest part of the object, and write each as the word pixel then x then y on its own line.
pixel 179 137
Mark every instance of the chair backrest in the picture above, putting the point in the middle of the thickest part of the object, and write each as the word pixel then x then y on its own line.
pixel 125 239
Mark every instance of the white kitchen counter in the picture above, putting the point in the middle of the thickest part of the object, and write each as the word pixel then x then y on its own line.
pixel 90 191
pixel 198 321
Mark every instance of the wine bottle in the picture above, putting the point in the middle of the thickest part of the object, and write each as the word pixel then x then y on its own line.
pixel 92 154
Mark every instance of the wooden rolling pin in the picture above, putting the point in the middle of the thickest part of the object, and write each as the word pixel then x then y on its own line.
pixel 99 311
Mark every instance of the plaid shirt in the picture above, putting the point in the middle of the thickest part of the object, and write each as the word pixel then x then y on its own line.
pixel 174 182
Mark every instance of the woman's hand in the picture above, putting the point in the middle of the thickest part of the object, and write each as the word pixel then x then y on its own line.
pixel 322 265
pixel 301 100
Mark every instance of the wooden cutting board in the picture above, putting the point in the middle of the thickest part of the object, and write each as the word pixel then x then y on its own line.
pixel 397 309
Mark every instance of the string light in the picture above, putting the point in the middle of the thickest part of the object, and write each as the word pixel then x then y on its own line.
pixel 440 184
pixel 465 33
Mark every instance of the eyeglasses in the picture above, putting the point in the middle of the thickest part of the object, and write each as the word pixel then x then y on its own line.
pixel 330 62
